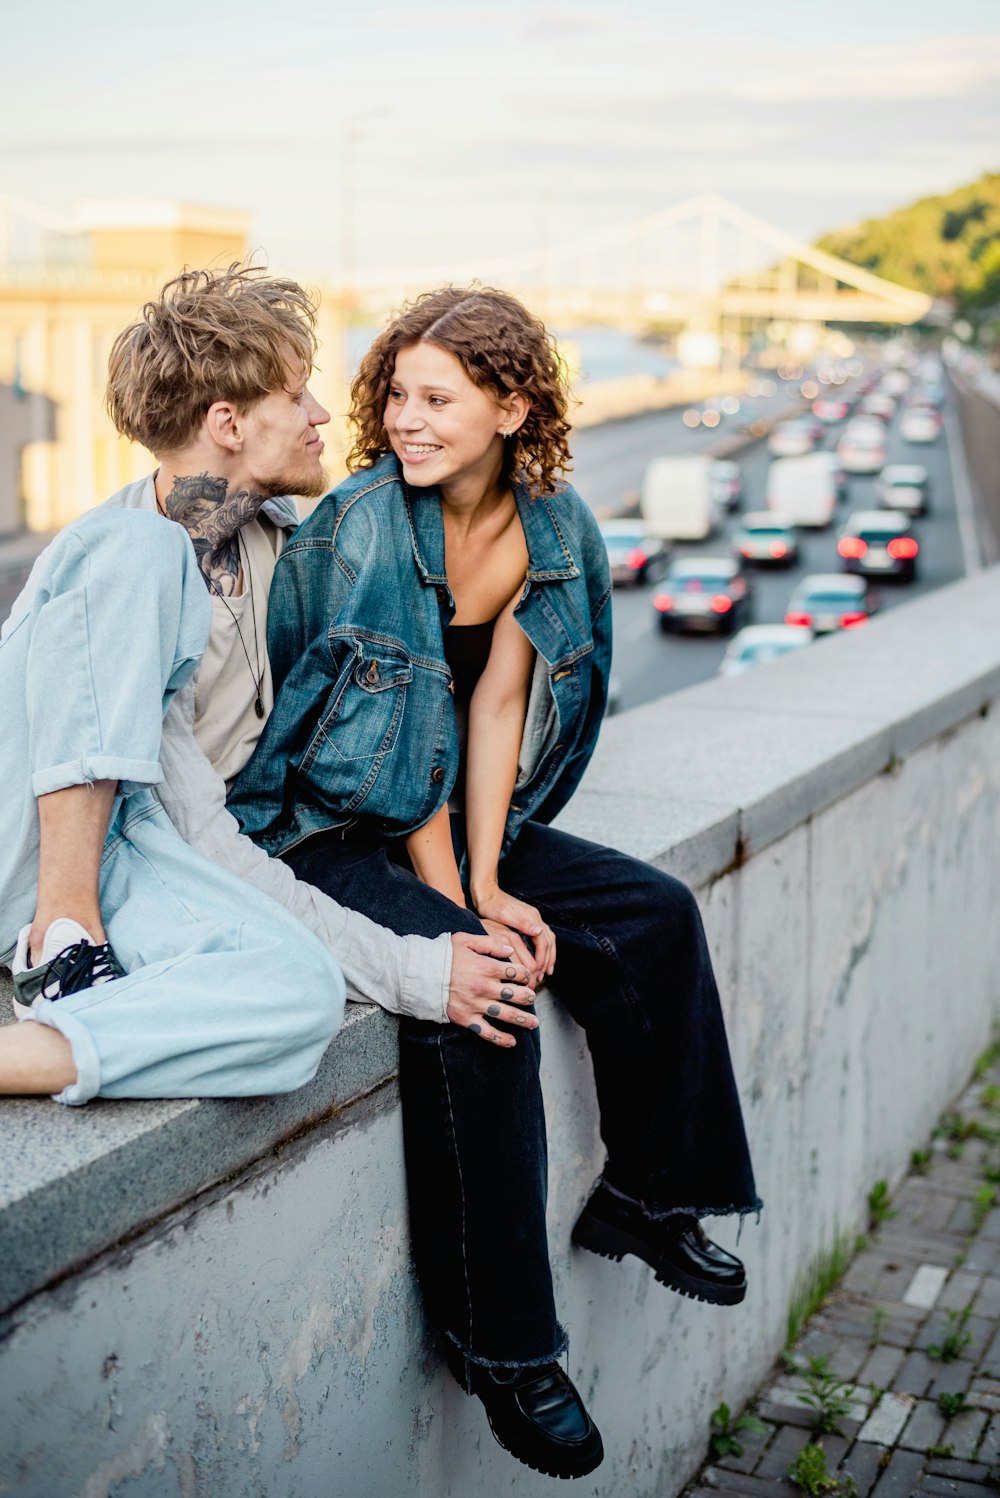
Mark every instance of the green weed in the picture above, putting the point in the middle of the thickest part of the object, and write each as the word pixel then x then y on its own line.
pixel 808 1472
pixel 825 1393
pixel 880 1320
pixel 879 1209
pixel 987 1059
pixel 953 1404
pixel 723 1439
pixel 920 1161
pixel 957 1340
pixel 982 1205
pixel 815 1283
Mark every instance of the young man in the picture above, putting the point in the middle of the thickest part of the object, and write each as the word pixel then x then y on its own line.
pixel 156 951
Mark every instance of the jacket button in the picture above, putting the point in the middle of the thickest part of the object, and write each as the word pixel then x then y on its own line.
pixel 371 675
pixel 451 688
pixel 437 775
pixel 442 594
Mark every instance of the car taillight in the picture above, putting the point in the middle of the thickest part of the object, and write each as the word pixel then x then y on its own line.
pixel 849 621
pixel 663 602
pixel 794 618
pixel 852 546
pixel 746 551
pixel 903 548
pixel 637 558
pixel 777 549
pixel 721 603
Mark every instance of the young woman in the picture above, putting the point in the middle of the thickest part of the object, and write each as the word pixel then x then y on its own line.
pixel 440 638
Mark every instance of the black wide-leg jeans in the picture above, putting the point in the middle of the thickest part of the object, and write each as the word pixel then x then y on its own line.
pixel 633 969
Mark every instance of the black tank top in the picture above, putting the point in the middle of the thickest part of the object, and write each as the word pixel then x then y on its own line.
pixel 466 649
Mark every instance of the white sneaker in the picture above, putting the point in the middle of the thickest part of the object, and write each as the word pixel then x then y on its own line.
pixel 71 960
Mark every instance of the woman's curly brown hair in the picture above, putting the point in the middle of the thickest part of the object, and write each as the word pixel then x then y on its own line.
pixel 502 349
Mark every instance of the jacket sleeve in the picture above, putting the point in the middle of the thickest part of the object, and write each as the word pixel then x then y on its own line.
pixel 312 580
pixel 404 974
pixel 597 574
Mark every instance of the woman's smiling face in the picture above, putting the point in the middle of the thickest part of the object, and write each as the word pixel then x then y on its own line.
pixel 444 429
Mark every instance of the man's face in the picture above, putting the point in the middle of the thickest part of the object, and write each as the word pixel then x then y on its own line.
pixel 283 448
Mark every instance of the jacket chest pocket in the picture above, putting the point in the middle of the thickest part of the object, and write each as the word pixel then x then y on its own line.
pixel 364 708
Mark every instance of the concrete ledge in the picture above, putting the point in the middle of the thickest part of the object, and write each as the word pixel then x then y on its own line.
pixel 696 783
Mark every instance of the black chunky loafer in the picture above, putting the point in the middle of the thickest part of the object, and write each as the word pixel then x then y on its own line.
pixel 537 1415
pixel 675 1248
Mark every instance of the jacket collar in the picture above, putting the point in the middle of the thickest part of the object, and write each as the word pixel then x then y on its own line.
pixel 549 556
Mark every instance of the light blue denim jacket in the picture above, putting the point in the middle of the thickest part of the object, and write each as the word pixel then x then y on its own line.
pixel 363 725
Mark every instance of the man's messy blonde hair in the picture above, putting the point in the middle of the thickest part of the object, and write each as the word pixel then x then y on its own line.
pixel 211 335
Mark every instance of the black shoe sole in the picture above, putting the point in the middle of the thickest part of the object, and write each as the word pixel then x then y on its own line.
pixel 613 1243
pixel 573 1465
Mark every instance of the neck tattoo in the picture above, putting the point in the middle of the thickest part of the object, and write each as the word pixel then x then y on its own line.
pixel 212 518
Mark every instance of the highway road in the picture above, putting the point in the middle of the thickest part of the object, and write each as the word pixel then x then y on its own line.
pixel 610 461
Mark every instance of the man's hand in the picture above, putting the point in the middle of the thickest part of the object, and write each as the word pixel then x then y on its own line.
pixel 486 982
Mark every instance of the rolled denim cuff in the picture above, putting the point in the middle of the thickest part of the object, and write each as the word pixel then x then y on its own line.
pixel 88 768
pixel 85 1057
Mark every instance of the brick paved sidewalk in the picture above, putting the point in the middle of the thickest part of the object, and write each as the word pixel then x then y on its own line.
pixel 908 1344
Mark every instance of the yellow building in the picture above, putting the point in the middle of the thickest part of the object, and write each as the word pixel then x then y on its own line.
pixel 62 306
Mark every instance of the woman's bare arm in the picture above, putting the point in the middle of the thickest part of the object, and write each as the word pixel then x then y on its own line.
pixel 433 856
pixel 496 725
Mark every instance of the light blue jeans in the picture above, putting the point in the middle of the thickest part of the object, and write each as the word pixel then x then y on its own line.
pixel 226 994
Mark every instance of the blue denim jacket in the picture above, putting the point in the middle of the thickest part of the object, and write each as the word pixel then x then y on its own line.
pixel 363 725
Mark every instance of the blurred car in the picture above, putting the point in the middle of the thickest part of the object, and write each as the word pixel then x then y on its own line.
pixel 766 539
pixel 879 543
pixel 791 439
pixel 634 556
pixel 757 644
pixel 703 593
pixel 828 601
pixel 861 449
pixel 827 410
pixel 904 486
pixel 727 484
pixel 805 491
pixel 920 424
pixel 929 395
pixel 896 382
pixel 879 404
pixel 751 421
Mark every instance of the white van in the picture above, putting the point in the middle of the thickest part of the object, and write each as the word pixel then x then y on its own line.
pixel 804 490
pixel 676 498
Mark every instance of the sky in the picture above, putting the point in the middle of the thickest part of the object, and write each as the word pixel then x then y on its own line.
pixel 389 137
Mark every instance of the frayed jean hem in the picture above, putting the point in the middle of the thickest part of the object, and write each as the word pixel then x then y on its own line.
pixel 457 1350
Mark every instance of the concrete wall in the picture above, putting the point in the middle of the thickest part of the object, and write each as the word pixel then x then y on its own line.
pixel 215 1299
pixel 978 390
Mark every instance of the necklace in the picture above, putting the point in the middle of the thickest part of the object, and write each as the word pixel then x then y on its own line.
pixel 256 676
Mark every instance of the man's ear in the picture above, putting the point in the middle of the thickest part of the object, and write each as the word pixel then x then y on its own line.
pixel 222 423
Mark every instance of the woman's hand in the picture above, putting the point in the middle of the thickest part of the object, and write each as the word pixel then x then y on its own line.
pixel 491 903
pixel 485 985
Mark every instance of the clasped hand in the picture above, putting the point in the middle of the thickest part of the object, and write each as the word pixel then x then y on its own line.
pixel 512 920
